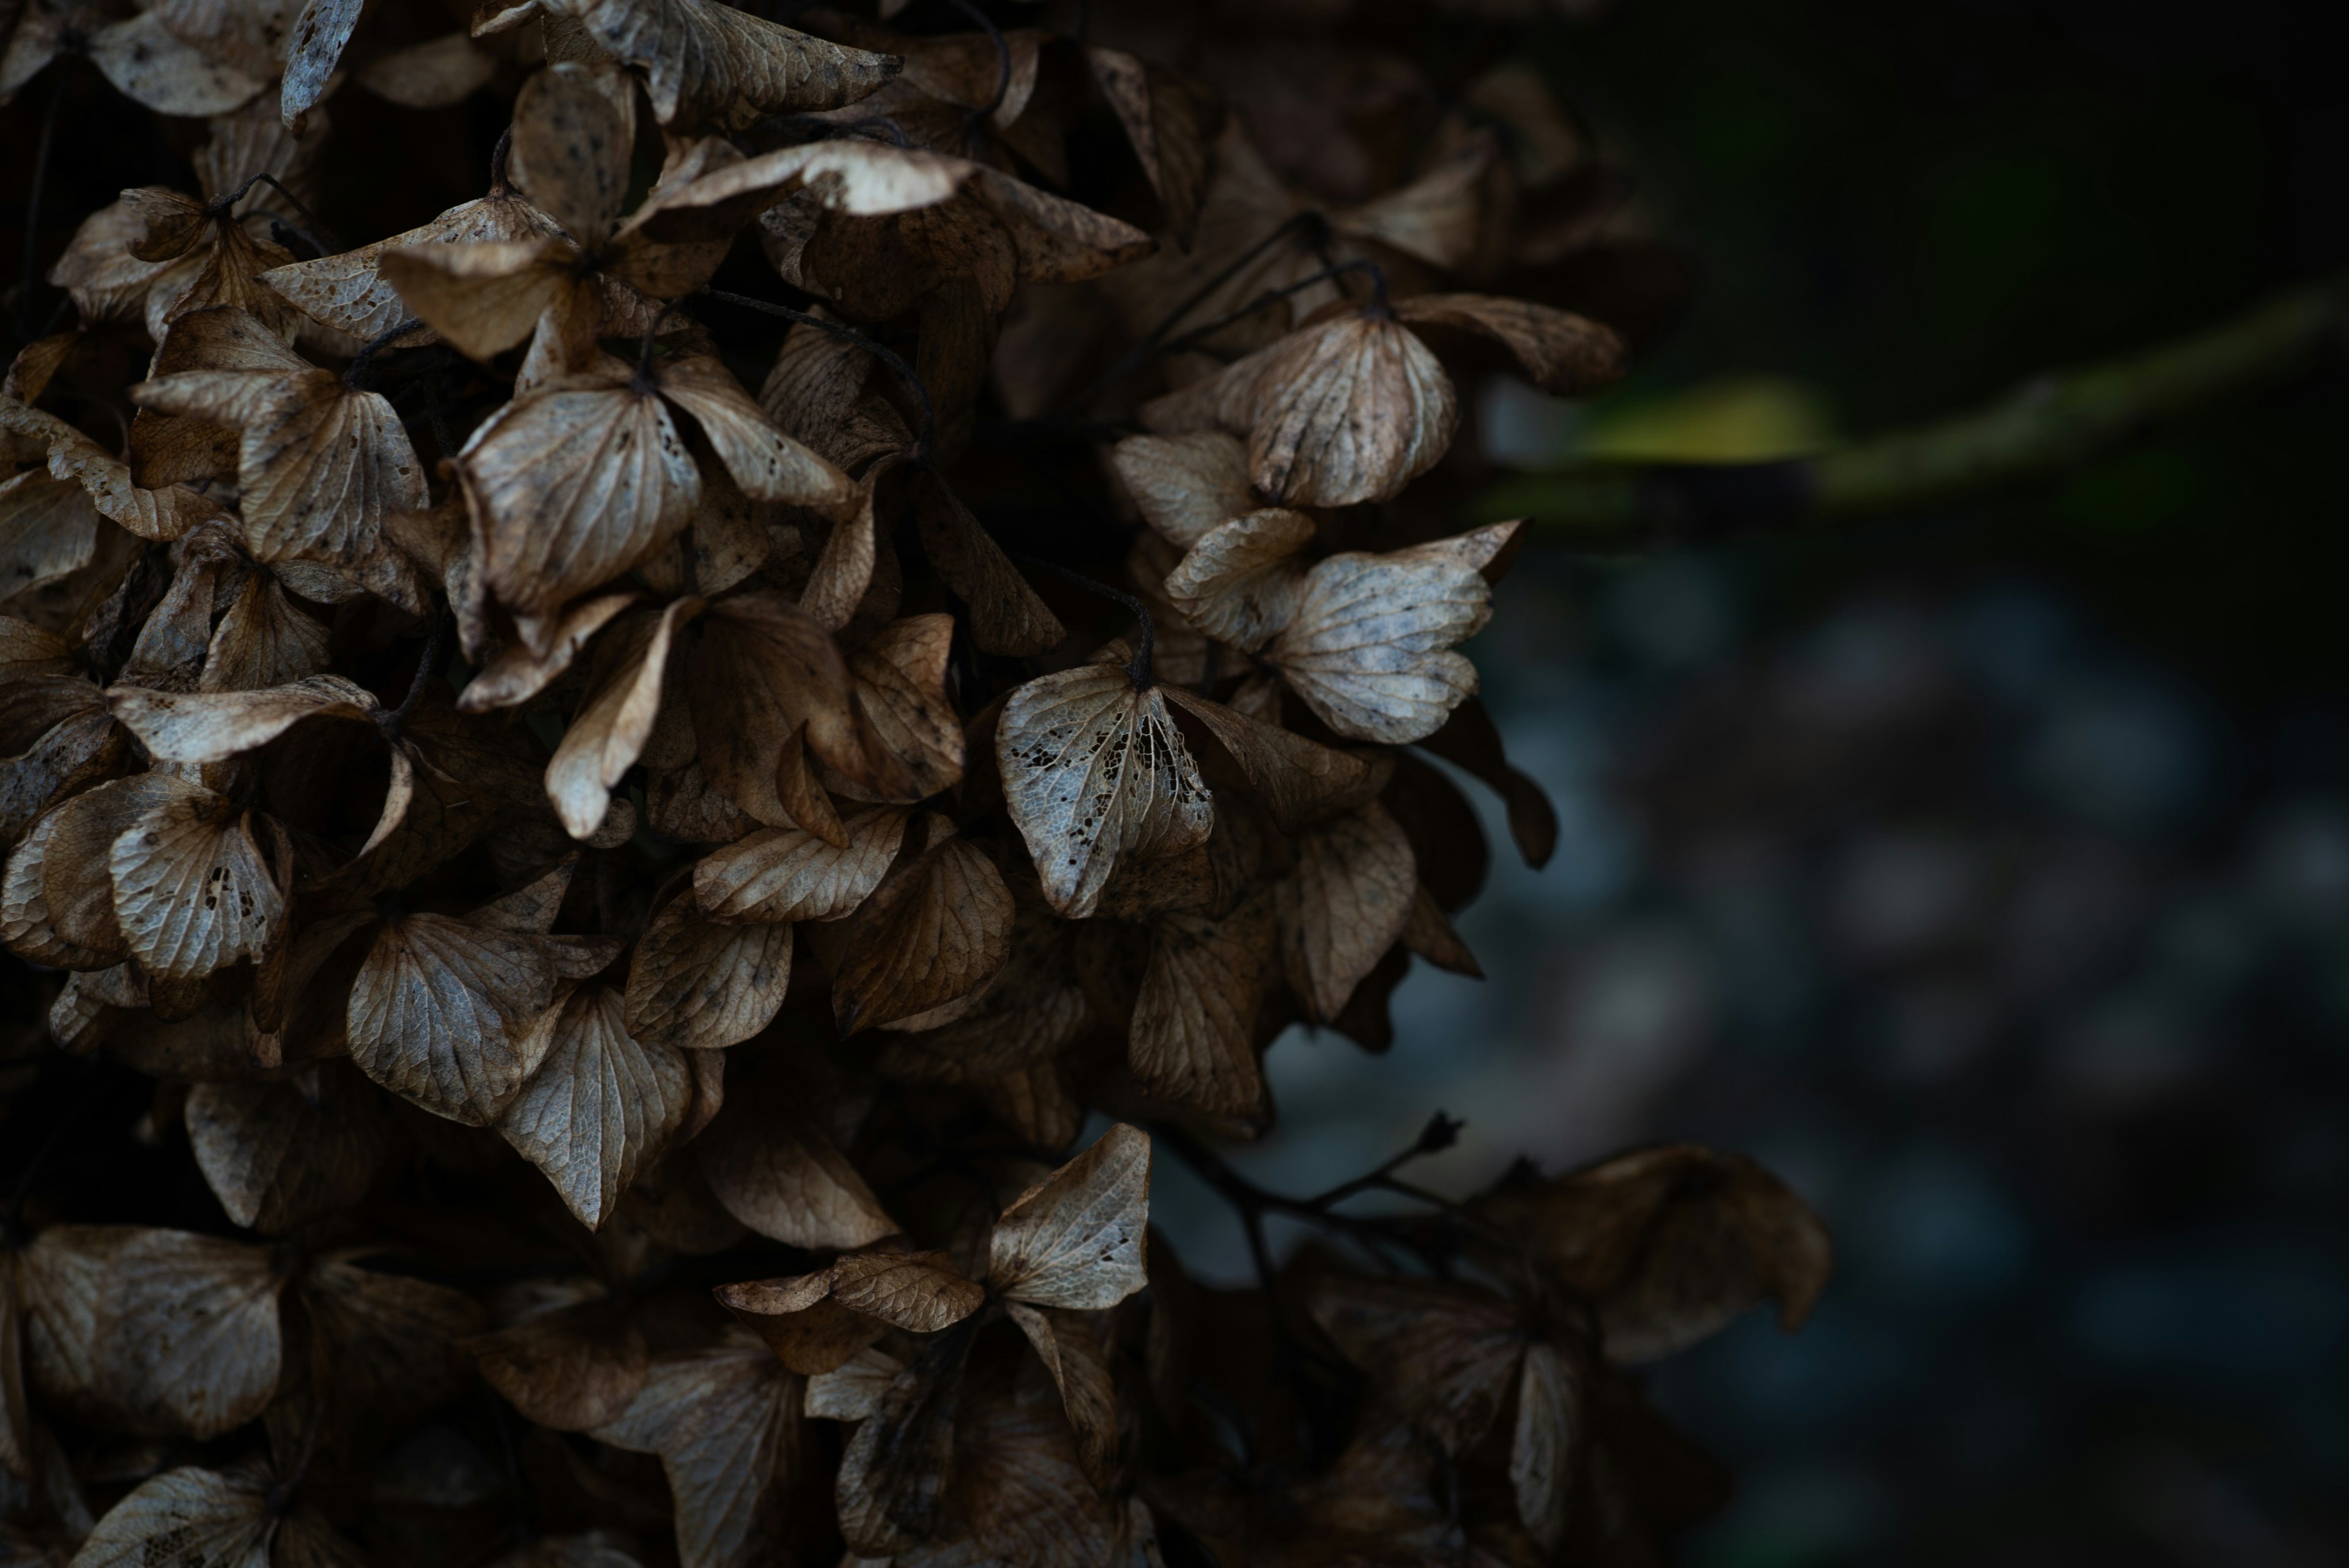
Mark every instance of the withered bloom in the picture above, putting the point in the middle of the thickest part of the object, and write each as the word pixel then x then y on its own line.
pixel 631 892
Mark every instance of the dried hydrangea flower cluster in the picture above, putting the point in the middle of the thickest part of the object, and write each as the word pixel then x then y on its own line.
pixel 630 888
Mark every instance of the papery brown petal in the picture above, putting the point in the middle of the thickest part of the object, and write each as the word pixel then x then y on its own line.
pixel 785 1179
pixel 1169 119
pixel 789 874
pixel 1562 353
pixel 147 64
pixel 441 1014
pixel 156 1331
pixel 1436 218
pixel 920 1292
pixel 572 485
pixel 69 756
pixel 60 897
pixel 1670 1243
pixel 212 727
pixel 913 739
pixel 1240 582
pixel 1430 935
pixel 853 1389
pixel 439 73
pixel 1345 904
pixel 1021 1485
pixel 188 1515
pixel 48 530
pixel 1093 771
pixel 709 64
pixel 1302 781
pixel 1370 646
pixel 1445 1353
pixel 1194 1034
pixel 1549 1418
pixel 570 147
pixel 319 35
pixel 1470 739
pixel 891 1488
pixel 279 1154
pixel 702 986
pixel 1006 616
pixel 191 892
pixel 935 929
pixel 263 641
pixel 532 909
pixel 601 1107
pixel 762 670
pixel 1080 1371
pixel 483 295
pixel 390 1341
pixel 727 1424
pixel 1075 1239
pixel 354 292
pixel 605 737
pixel 571 1370
pixel 1346 412
pixel 516 674
pixel 767 465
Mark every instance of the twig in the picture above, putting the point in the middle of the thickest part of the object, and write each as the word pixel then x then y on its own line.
pixel 1138 668
pixel 880 351
pixel 360 376
pixel 2051 423
pixel 1002 55
pixel 1441 1132
pixel 498 156
pixel 1274 296
pixel 221 206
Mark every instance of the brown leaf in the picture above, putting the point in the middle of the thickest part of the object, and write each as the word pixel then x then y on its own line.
pixel 702 986
pixel 1444 1354
pixel 1240 582
pixel 709 65
pixel 572 137
pixel 319 35
pixel 1541 1449
pixel 1670 1243
pixel 1430 935
pixel 782 1175
pixel 1075 1239
pixel 1194 1032
pixel 601 1105
pixel 1562 353
pixel 228 1519
pixel 935 930
pixel 1170 120
pixel 1073 1356
pixel 48 530
pixel 58 905
pixel 441 1009
pixel 263 641
pixel 439 73
pixel 1006 616
pixel 1470 740
pixel 609 732
pixel 787 873
pixel 891 1488
pixel 154 1332
pixel 390 1342
pixel 354 292
pixel 1345 904
pixel 1437 217
pixel 212 727
pixel 727 1425
pixel 191 891
pixel 816 1322
pixel 1348 410
pixel 1370 646
pixel 1095 769
pixel 1302 781
pixel 571 1369
pixel 912 738
pixel 277 1155
pixel 1186 484
pixel 761 670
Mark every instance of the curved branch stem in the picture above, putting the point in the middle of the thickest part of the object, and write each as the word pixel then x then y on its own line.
pixel 880 351
pixel 1138 668
pixel 2053 422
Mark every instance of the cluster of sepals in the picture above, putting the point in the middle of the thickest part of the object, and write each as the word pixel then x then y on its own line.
pixel 753 697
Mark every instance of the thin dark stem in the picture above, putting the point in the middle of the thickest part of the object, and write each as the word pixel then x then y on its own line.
pixel 881 352
pixel 1441 1132
pixel 1206 290
pixel 24 285
pixel 1139 667
pixel 1274 297
pixel 223 205
pixel 497 160
pixel 839 130
pixel 360 376
pixel 1002 55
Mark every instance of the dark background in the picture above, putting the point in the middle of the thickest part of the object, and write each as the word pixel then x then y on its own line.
pixel 1985 871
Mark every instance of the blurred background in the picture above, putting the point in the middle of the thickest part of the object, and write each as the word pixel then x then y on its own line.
pixel 1985 871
